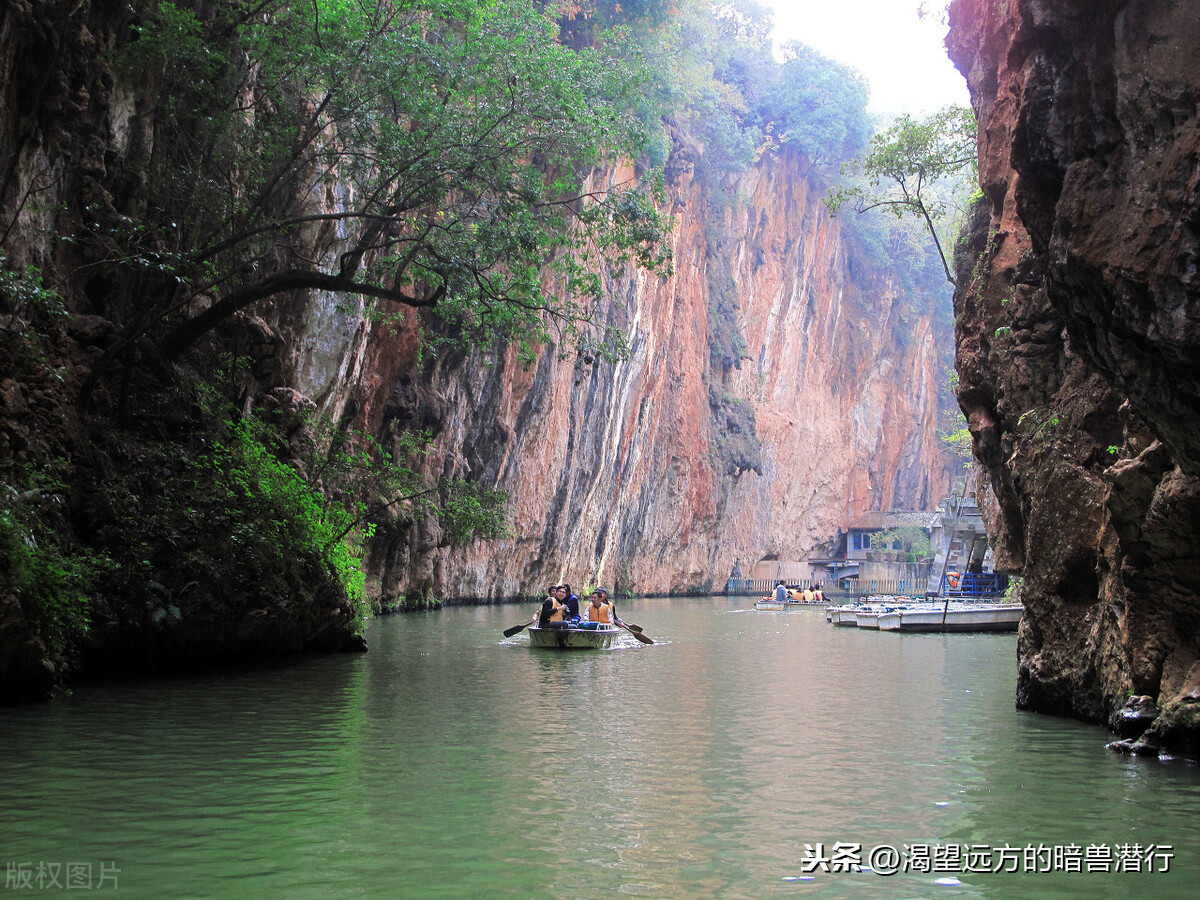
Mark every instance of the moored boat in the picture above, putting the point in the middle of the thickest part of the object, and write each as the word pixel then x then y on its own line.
pixel 866 614
pixel 868 618
pixel 845 615
pixel 960 618
pixel 581 636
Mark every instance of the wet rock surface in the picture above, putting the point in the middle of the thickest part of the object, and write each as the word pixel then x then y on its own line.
pixel 1078 328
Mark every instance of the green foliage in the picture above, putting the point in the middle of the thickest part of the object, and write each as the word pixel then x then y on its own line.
pixel 904 166
pixel 377 485
pixel 449 143
pixel 726 343
pixel 406 603
pixel 53 579
pixel 1012 593
pixel 953 431
pixel 622 584
pixel 818 107
pixel 909 539
pixel 276 504
pixel 715 76
pixel 27 301
pixel 468 511
pixel 957 441
pixel 1038 425
pixel 734 445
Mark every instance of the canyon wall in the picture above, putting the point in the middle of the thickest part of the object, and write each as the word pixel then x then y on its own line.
pixel 780 379
pixel 659 472
pixel 1078 329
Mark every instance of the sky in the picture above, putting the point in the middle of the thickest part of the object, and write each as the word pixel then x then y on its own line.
pixel 902 57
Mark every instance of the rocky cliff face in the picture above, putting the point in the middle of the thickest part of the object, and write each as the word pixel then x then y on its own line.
pixel 1077 338
pixel 658 472
pixel 777 382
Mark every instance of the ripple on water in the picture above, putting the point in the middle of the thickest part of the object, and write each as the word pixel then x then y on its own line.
pixel 446 762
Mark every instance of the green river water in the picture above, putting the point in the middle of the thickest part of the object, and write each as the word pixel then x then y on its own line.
pixel 449 762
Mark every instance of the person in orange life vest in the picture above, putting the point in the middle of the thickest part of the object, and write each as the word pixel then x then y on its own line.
pixel 552 611
pixel 599 609
pixel 569 600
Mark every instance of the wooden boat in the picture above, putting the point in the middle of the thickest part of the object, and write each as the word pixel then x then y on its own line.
pixel 770 603
pixel 580 636
pixel 960 618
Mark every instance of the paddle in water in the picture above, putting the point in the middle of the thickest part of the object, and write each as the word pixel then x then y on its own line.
pixel 516 629
pixel 644 638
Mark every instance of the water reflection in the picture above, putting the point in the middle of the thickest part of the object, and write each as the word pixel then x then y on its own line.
pixel 450 762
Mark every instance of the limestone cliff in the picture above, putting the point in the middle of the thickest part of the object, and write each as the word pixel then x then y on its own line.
pixel 779 379
pixel 658 472
pixel 1077 337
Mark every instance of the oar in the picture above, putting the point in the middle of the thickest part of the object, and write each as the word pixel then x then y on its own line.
pixel 645 639
pixel 516 629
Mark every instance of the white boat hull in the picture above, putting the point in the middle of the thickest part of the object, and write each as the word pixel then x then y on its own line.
pixel 584 637
pixel 867 619
pixel 845 616
pixel 961 619
pixel 785 605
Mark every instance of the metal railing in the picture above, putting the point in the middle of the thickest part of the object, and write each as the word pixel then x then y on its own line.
pixel 974 584
pixel 749 586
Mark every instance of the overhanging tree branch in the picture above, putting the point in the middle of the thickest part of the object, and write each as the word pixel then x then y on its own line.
pixel 186 334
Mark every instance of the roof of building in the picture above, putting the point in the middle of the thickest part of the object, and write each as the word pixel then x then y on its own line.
pixel 896 519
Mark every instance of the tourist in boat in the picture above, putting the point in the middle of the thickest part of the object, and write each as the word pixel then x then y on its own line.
pixel 807 595
pixel 552 612
pixel 568 599
pixel 818 594
pixel 781 594
pixel 599 610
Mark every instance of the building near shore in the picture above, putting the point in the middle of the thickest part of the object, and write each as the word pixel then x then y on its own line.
pixel 917 552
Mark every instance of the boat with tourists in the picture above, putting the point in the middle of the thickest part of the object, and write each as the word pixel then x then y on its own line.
pixel 574 636
pixel 592 628
pixel 770 603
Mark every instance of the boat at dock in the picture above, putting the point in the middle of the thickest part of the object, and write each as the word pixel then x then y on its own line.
pixel 926 616
pixel 847 615
pixel 581 636
pixel 962 617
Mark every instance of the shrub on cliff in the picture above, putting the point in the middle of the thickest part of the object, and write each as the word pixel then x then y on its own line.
pixel 222 548
pixel 51 579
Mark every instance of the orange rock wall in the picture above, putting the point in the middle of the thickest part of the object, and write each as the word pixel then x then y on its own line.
pixel 611 468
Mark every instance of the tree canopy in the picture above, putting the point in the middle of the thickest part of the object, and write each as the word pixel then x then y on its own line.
pixel 717 77
pixel 819 106
pixel 916 168
pixel 428 153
